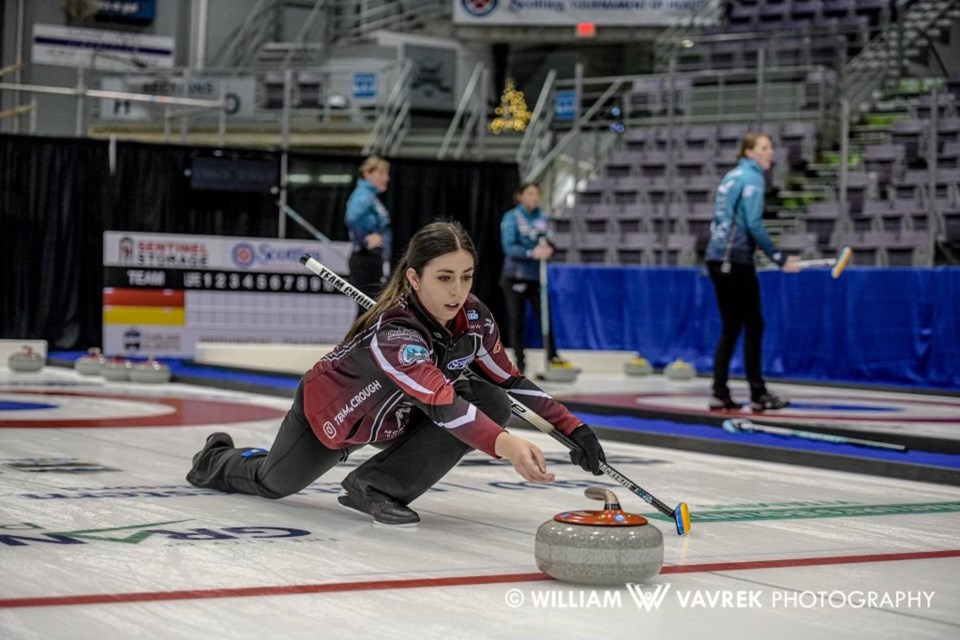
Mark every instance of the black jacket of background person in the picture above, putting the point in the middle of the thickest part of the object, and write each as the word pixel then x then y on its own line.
pixel 364 391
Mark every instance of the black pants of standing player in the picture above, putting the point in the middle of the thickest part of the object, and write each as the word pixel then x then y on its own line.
pixel 516 293
pixel 366 272
pixel 406 468
pixel 738 297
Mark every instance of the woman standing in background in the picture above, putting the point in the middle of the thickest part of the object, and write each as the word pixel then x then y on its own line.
pixel 735 233
pixel 368 223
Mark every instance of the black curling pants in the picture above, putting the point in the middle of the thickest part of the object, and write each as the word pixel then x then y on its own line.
pixel 366 273
pixel 406 468
pixel 738 297
pixel 515 294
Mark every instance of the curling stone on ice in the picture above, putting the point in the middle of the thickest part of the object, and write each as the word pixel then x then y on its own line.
pixel 26 360
pixel 116 369
pixel 559 370
pixel 680 370
pixel 150 371
pixel 91 363
pixel 608 547
pixel 638 366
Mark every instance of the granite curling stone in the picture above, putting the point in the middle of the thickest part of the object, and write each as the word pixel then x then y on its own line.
pixel 26 361
pixel 638 366
pixel 116 369
pixel 151 371
pixel 91 363
pixel 608 547
pixel 680 370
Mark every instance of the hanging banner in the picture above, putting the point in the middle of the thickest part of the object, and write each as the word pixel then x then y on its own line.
pixel 238 91
pixel 99 48
pixel 163 293
pixel 616 13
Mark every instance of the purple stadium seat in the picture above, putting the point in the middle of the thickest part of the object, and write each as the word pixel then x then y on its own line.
pixel 802 244
pixel 948 132
pixel 949 157
pixel 885 160
pixel 636 139
pixel 821 219
pixel 910 249
pixel 882 215
pixel 680 249
pixel 910 134
pixel 635 247
pixel 695 162
pixel 836 8
pixel 629 189
pixel 596 190
pixel 699 189
pixel 950 223
pixel 858 182
pixel 654 163
pixel 622 163
pixel 700 138
pixel 804 10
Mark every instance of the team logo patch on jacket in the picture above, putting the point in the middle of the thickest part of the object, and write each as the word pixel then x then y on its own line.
pixel 413 353
pixel 472 314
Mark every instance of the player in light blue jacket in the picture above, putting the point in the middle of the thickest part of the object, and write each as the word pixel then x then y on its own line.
pixel 368 223
pixel 525 238
pixel 735 233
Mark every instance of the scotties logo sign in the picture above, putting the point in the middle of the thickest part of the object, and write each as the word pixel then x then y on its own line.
pixel 479 8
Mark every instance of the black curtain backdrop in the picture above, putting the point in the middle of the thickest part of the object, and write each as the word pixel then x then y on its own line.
pixel 58 196
pixel 475 194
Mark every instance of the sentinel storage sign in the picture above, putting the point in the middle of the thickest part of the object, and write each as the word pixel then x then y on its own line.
pixel 163 293
pixel 621 13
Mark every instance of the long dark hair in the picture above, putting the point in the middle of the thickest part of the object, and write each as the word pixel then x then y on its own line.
pixel 432 241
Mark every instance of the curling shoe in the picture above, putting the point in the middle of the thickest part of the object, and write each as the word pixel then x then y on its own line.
pixel 384 509
pixel 725 403
pixel 768 402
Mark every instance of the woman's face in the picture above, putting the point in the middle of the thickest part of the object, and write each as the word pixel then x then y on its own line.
pixel 378 177
pixel 444 285
pixel 530 198
pixel 762 152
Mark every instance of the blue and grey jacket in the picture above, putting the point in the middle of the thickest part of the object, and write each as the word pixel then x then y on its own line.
pixel 520 232
pixel 740 198
pixel 366 215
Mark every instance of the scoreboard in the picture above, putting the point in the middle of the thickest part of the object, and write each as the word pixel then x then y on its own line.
pixel 163 293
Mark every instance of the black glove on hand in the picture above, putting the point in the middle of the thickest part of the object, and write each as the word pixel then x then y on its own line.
pixel 589 454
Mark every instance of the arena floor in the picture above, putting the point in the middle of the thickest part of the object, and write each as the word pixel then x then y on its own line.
pixel 101 536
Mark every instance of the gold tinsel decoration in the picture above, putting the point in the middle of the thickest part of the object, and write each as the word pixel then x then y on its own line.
pixel 512 114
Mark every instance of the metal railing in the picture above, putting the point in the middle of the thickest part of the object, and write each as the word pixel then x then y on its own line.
pixel 538 136
pixel 392 121
pixel 82 93
pixel 884 56
pixel 679 99
pixel 471 106
pixel 355 18
pixel 240 48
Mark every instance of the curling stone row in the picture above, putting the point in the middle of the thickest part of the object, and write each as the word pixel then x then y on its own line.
pixel 608 547
pixel 119 370
pixel 90 364
pixel 26 361
pixel 676 370
pixel 559 370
